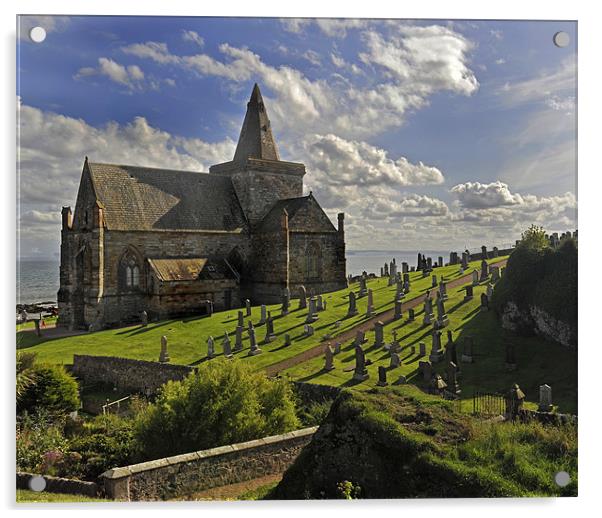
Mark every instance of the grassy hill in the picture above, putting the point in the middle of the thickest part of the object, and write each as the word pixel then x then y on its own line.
pixel 397 442
pixel 538 361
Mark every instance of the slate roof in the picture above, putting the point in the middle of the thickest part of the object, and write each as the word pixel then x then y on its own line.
pixel 190 269
pixel 304 214
pixel 144 198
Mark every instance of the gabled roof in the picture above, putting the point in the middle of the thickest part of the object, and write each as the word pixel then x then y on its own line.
pixel 190 269
pixel 144 198
pixel 304 215
pixel 256 139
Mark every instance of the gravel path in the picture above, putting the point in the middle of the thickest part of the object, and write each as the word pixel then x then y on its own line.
pixel 366 325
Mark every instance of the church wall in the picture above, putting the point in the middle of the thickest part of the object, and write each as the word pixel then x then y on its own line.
pixel 269 266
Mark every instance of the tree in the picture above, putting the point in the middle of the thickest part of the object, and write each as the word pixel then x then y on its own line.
pixel 224 402
pixel 53 389
pixel 534 238
pixel 25 373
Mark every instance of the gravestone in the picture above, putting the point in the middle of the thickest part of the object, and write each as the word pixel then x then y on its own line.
pixel 386 269
pixel 443 290
pixel 363 288
pixel 434 281
pixel 452 378
pixel 436 350
pixel 241 319
pixel 311 311
pixel 429 264
pixel 163 356
pixel 438 386
pixel 264 314
pixel 248 307
pixel 484 270
pixel 495 273
pixel 238 339
pixel 510 357
pixel 464 260
pixel 467 350
pixel 484 302
pixel 379 334
pixel 328 359
pixel 397 314
pixel 144 319
pixel 451 354
pixel 302 297
pixel 440 262
pixel 269 328
pixel 226 346
pixel 359 338
pixel 370 304
pixel 394 345
pixel 253 348
pixel 411 315
pixel 319 303
pixel 404 268
pixel 337 348
pixel 352 305
pixel 428 312
pixel 514 400
pixel 287 340
pixel 382 376
pixel 286 299
pixel 545 398
pixel 210 347
pixel 475 278
pixel 382 272
pixel 442 318
pixel 496 252
pixel 426 369
pixel 360 373
pixel 469 293
pixel 484 254
pixel 422 348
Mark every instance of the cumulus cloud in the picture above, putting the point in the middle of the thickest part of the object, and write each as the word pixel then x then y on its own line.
pixel 332 27
pixel 151 50
pixel 130 76
pixel 480 196
pixel 49 23
pixel 412 205
pixel 348 162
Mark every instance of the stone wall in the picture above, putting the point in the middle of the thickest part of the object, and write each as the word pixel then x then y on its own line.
pixel 185 474
pixel 127 374
pixel 60 485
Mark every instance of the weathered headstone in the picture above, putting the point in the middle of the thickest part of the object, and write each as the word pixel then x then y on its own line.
pixel 253 348
pixel 363 287
pixel 436 350
pixel 514 399
pixel 495 273
pixel 464 260
pixel 475 278
pixel 328 359
pixel 469 293
pixel 428 312
pixel 484 270
pixel 395 360
pixel 264 314
pixel 163 356
pixel 434 281
pixel 319 303
pixel 442 318
pixel 360 373
pixel 311 311
pixel 467 350
pixel 286 299
pixel 210 347
pixel 397 314
pixel 337 348
pixel 144 319
pixel 452 378
pixel 359 338
pixel 248 307
pixel 422 348
pixel 438 386
pixel 443 290
pixel 302 297
pixel 484 254
pixel 269 328
pixel 382 376
pixel 352 305
pixel 404 268
pixel 426 369
pixel 379 334
pixel 496 252
pixel 241 319
pixel 411 315
pixel 545 398
pixel 238 339
pixel 226 346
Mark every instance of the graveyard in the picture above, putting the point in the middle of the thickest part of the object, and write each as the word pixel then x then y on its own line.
pixel 295 349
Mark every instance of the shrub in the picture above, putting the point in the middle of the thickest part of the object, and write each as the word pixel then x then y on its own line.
pixel 225 402
pixel 52 389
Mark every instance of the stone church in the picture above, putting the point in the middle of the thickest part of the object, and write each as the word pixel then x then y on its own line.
pixel 175 243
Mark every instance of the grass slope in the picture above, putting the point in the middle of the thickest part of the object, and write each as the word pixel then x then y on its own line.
pixel 27 496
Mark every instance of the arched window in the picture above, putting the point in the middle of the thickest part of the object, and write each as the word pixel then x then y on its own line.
pixel 129 271
pixel 313 259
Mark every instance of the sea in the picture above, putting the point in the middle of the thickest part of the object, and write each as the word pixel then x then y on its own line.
pixel 38 280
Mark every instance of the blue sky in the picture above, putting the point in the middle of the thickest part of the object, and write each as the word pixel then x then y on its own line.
pixel 428 134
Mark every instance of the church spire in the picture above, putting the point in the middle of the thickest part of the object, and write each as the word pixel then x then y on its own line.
pixel 256 139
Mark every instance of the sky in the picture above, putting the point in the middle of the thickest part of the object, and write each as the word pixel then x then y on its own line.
pixel 428 134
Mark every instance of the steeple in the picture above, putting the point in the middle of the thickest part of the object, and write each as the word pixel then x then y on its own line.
pixel 256 139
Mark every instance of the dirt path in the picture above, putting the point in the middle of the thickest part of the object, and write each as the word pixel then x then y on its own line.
pixel 386 317
pixel 233 491
pixel 50 331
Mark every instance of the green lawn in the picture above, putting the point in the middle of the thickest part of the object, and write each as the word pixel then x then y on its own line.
pixel 26 496
pixel 187 338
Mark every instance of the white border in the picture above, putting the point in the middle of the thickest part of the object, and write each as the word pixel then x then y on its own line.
pixel 589 242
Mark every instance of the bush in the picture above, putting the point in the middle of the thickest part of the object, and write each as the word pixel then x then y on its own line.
pixel 52 389
pixel 225 402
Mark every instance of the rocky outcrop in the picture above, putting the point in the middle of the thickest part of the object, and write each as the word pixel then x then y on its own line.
pixel 538 321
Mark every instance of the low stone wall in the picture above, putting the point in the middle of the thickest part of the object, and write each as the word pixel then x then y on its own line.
pixel 60 485
pixel 184 474
pixel 127 374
